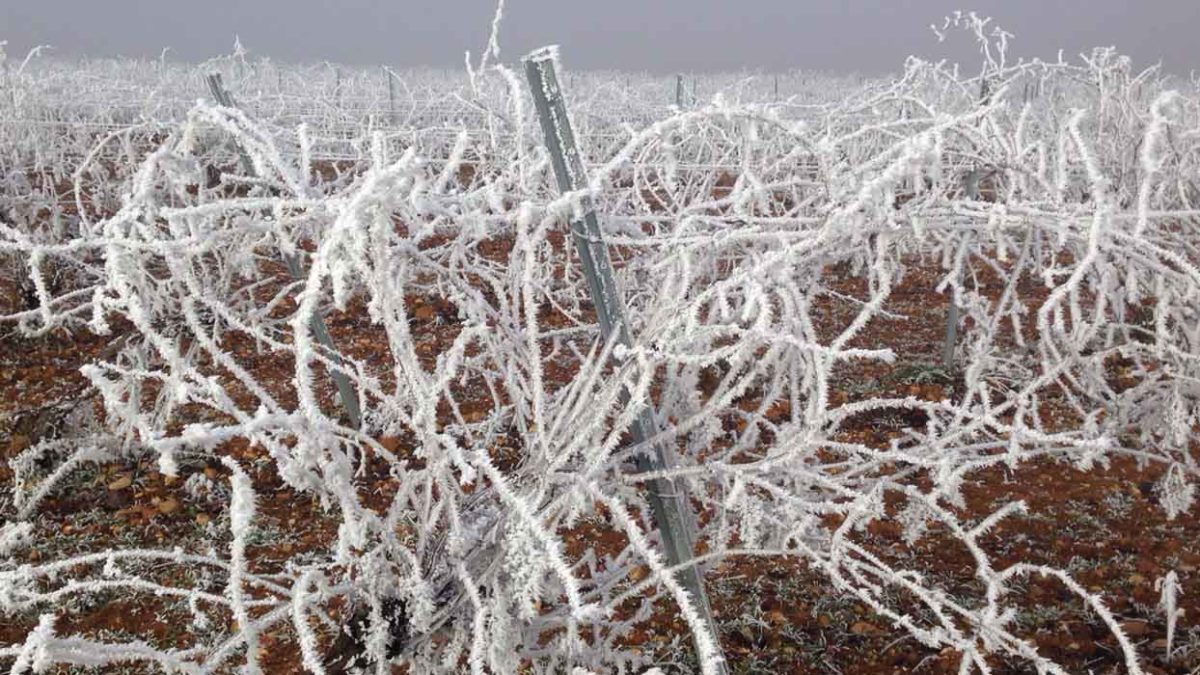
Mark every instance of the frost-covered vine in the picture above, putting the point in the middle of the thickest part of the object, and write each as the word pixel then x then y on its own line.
pixel 1062 225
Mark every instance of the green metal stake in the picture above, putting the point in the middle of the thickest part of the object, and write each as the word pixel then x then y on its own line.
pixel 667 499
pixel 316 323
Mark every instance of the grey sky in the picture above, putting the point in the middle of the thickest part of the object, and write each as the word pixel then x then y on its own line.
pixel 655 35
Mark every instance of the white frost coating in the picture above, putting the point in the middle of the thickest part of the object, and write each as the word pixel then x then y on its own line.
pixel 1169 590
pixel 14 537
pixel 1153 154
pixel 543 54
pixel 735 267
pixel 241 515
pixel 309 646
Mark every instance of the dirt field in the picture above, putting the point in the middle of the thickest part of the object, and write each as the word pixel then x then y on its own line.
pixel 1102 525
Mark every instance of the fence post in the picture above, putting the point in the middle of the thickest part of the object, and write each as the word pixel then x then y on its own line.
pixel 316 323
pixel 668 502
pixel 337 86
pixel 951 337
pixel 970 187
pixel 10 85
pixel 222 97
pixel 391 95
pixel 970 191
pixel 679 91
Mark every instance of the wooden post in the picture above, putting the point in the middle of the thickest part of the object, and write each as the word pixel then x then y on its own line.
pixel 667 500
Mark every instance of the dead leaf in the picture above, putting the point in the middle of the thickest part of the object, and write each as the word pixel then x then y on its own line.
pixel 1135 628
pixel 864 628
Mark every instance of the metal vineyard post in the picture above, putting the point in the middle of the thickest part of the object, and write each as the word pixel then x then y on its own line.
pixel 667 499
pixel 316 323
